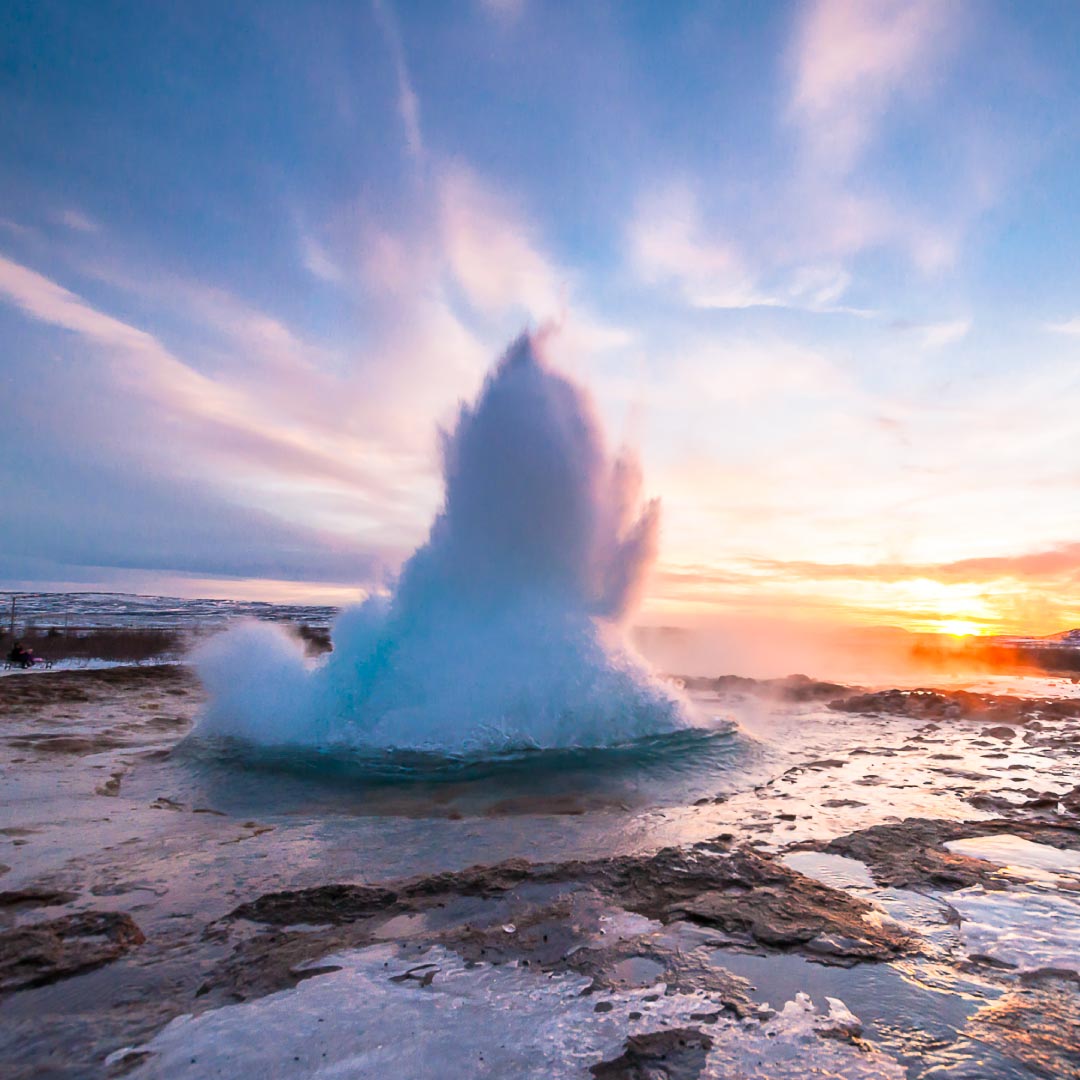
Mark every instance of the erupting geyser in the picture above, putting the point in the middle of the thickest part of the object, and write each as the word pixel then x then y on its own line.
pixel 505 628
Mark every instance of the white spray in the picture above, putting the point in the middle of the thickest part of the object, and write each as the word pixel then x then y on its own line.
pixel 505 629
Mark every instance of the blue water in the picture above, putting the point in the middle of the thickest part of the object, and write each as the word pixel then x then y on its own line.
pixel 677 769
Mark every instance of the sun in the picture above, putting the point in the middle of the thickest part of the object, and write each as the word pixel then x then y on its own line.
pixel 959 627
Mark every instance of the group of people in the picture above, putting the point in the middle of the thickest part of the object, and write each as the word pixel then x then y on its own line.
pixel 21 656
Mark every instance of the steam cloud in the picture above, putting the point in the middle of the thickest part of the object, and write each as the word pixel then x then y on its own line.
pixel 505 628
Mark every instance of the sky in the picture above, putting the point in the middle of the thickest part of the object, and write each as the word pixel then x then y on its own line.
pixel 815 261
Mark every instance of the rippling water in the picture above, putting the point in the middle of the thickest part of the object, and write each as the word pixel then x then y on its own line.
pixel 661 771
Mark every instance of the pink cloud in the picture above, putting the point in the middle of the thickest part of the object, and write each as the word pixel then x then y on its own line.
pixel 852 58
pixel 219 418
pixel 670 245
pixel 492 252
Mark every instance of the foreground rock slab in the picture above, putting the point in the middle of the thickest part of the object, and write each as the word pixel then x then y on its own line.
pixel 746 899
pixel 911 853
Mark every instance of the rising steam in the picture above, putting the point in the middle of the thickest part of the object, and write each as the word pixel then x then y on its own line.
pixel 505 629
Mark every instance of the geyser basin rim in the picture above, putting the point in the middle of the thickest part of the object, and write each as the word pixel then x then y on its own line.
pixel 678 751
pixel 505 629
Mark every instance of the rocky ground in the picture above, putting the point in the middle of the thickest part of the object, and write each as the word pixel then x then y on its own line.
pixel 895 892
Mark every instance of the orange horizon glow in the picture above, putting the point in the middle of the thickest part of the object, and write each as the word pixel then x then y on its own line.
pixel 698 595
pixel 1007 605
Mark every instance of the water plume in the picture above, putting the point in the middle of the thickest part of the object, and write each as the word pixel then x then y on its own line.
pixel 505 629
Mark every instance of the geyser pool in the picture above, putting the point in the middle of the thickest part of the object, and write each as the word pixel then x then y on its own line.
pixel 505 629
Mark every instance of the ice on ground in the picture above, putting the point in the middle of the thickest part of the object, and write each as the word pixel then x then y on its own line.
pixel 1026 928
pixel 79 663
pixel 433 1014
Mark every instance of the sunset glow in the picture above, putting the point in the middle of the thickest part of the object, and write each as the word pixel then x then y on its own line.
pixel 792 251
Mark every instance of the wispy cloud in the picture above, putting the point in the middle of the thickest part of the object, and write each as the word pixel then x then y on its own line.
pixel 506 10
pixel 669 246
pixel 852 59
pixel 858 67
pixel 15 228
pixel 937 335
pixel 853 65
pixel 1062 561
pixel 493 254
pixel 223 418
pixel 1069 326
pixel 77 220
pixel 408 101
pixel 317 261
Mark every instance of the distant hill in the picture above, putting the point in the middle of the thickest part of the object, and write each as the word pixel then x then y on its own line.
pixel 1066 638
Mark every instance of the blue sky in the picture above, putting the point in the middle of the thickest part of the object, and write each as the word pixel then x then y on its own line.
pixel 816 260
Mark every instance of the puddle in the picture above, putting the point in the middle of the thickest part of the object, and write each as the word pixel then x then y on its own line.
pixel 837 871
pixel 638 971
pixel 1015 854
pixel 1024 928
pixel 919 1026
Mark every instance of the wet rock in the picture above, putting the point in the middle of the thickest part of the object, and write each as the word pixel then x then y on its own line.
pixel 1045 800
pixel 940 706
pixel 273 961
pixel 963 774
pixel 323 904
pixel 683 971
pixel 675 1054
pixel 983 800
pixel 111 787
pixel 45 952
pixel 999 732
pixel 911 853
pixel 1070 802
pixel 66 743
pixel 23 898
pixel 737 890
pixel 1037 1025
pixel 749 897
pixel 794 688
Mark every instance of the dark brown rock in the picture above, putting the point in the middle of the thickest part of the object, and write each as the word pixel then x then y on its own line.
pixel 911 852
pixel 949 705
pixel 323 904
pixel 675 1054
pixel 19 898
pixel 45 952
pixel 738 891
pixel 797 688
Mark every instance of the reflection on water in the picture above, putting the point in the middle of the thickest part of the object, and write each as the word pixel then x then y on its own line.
pixel 921 1026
